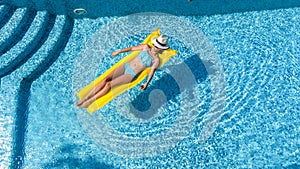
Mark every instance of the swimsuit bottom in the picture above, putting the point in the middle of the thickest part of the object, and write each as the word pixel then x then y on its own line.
pixel 128 70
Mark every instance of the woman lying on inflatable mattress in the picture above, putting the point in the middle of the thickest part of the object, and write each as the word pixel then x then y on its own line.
pixel 125 73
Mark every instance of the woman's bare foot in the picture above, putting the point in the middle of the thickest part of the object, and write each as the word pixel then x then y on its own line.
pixel 81 102
pixel 78 104
pixel 86 103
pixel 84 106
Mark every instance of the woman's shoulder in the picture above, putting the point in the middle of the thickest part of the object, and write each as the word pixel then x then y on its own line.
pixel 156 58
pixel 145 46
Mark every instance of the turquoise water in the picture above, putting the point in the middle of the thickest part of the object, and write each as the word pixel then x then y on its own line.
pixel 236 106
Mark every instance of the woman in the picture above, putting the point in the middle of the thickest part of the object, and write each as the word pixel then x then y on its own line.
pixel 148 57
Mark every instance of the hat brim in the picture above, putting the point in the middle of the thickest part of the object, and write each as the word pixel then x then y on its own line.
pixel 154 42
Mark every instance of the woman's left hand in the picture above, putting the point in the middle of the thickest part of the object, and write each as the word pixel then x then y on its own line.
pixel 115 53
pixel 143 86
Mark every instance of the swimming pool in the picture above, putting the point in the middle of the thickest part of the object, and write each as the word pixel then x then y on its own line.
pixel 238 106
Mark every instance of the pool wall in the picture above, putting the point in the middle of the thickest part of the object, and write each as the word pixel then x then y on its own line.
pixel 98 8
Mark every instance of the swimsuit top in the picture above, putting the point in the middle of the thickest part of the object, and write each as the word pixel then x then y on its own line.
pixel 145 58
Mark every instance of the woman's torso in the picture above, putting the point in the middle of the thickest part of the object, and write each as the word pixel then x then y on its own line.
pixel 144 57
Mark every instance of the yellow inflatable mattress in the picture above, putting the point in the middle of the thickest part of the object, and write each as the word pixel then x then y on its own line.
pixel 114 92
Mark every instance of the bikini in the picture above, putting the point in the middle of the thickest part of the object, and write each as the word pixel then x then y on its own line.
pixel 146 60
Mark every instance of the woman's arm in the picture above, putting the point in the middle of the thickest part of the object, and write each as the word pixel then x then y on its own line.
pixel 151 73
pixel 145 85
pixel 139 47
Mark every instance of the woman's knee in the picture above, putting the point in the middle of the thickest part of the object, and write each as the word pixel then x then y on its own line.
pixel 108 84
pixel 107 79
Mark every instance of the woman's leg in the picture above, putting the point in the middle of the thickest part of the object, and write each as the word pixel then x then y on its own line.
pixel 119 71
pixel 123 79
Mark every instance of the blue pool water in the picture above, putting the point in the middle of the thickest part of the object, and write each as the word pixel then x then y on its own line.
pixel 229 98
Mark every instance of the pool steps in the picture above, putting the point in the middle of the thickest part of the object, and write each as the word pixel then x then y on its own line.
pixel 42 49
pixel 17 34
pixel 37 40
pixel 24 93
pixel 11 25
pixel 5 14
pixel 54 53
